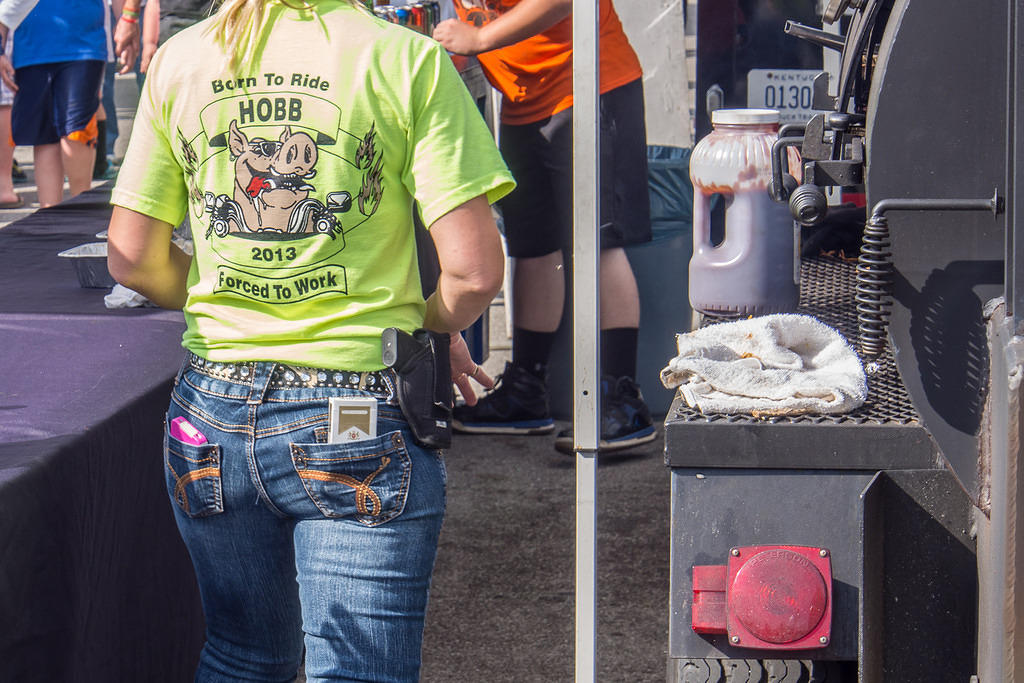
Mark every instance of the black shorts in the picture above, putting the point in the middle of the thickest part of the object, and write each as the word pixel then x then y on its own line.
pixel 55 100
pixel 538 213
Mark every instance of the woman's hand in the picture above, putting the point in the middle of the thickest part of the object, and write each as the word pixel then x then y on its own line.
pixel 464 368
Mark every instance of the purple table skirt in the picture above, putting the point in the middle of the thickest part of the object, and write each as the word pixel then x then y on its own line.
pixel 95 584
pixel 66 374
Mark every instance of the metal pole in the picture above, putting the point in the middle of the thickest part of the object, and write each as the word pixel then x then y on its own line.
pixel 1014 279
pixel 586 390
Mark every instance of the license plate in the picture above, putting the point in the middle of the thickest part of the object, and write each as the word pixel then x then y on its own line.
pixel 791 91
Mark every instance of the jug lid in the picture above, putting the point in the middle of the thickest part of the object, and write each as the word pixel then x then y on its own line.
pixel 745 117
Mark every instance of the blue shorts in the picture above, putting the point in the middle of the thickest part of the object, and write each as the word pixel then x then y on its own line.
pixel 55 100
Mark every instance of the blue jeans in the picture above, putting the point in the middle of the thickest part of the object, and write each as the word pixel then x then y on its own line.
pixel 291 535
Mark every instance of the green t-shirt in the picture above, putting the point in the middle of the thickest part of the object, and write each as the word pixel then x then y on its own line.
pixel 298 178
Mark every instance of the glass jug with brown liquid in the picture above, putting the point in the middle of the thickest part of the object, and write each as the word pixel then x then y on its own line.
pixel 754 270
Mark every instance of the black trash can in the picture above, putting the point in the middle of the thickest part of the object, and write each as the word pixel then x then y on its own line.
pixel 661 269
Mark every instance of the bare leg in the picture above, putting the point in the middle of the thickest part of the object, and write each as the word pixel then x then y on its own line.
pixel 538 292
pixel 49 171
pixel 620 298
pixel 7 193
pixel 79 159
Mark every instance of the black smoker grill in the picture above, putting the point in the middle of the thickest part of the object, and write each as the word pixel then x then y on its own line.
pixel 879 545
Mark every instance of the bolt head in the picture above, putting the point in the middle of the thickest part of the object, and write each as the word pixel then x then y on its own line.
pixel 823 552
pixel 735 552
pixel 823 640
pixel 735 640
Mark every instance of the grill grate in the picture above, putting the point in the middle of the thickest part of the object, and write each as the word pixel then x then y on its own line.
pixel 827 292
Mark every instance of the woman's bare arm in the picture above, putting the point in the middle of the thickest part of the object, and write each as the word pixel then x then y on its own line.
pixel 472 269
pixel 472 266
pixel 142 257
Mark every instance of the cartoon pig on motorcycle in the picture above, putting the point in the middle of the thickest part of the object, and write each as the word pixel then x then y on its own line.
pixel 271 189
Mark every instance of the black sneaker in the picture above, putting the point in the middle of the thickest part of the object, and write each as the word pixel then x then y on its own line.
pixel 518 405
pixel 625 418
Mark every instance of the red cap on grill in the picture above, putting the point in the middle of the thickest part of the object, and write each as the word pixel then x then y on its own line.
pixel 779 597
pixel 775 597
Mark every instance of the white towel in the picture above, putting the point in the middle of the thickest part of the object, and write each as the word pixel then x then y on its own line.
pixel 122 297
pixel 782 364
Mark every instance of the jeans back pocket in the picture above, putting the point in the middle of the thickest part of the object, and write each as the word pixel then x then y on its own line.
pixel 367 480
pixel 193 477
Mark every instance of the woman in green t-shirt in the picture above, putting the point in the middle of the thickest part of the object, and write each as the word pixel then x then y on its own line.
pixel 296 140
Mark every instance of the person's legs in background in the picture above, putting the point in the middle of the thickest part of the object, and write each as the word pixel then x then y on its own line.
pixel 108 102
pixel 78 154
pixel 100 165
pixel 69 157
pixel 9 199
pixel 32 124
pixel 625 418
pixel 106 120
pixel 538 297
pixel 538 217
pixel 77 99
pixel 55 112
pixel 620 313
pixel 625 219
pixel 49 171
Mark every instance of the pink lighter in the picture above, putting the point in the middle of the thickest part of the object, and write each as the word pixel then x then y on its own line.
pixel 184 431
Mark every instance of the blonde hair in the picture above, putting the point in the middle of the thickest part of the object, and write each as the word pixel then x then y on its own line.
pixel 238 24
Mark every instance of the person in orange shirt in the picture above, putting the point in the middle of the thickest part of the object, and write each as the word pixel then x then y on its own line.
pixel 525 49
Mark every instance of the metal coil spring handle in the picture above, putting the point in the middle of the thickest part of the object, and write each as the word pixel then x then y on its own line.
pixel 874 286
pixel 875 266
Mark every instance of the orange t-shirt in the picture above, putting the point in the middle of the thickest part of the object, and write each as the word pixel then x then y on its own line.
pixel 534 76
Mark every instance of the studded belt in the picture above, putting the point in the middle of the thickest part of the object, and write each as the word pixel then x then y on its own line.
pixel 286 376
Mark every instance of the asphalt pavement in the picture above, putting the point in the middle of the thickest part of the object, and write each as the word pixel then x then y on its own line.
pixel 502 600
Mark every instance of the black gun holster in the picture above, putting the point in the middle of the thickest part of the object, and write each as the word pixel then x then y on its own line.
pixel 421 362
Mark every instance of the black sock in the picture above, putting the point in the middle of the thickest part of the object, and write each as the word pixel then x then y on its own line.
pixel 618 352
pixel 531 350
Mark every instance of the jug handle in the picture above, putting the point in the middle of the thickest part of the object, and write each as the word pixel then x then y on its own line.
pixel 702 218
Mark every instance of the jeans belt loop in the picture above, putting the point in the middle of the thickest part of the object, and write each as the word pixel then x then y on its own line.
pixel 185 364
pixel 260 378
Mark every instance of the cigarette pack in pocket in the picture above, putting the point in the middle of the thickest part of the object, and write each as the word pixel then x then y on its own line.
pixel 351 419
